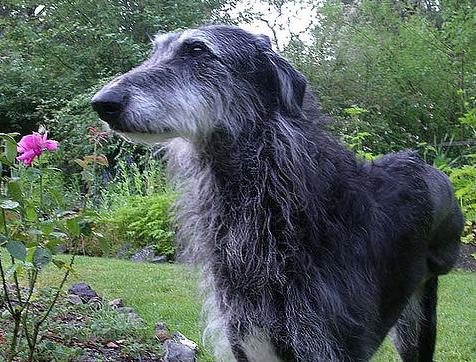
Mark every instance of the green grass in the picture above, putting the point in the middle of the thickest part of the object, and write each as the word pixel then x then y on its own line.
pixel 167 293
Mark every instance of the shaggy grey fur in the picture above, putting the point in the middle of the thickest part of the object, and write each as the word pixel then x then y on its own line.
pixel 309 254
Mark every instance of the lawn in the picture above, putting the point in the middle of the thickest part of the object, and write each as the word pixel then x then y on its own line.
pixel 167 293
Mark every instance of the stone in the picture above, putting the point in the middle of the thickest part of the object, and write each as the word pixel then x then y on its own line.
pixel 131 314
pixel 125 310
pixel 116 303
pixel 161 332
pixel 134 317
pixel 180 338
pixel 84 291
pixel 74 299
pixel 144 255
pixel 162 336
pixel 161 326
pixel 61 248
pixel 177 352
pixel 124 251
pixel 147 255
pixel 159 259
pixel 112 345
pixel 95 303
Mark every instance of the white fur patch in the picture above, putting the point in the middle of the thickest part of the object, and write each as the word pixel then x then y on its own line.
pixel 258 348
pixel 150 139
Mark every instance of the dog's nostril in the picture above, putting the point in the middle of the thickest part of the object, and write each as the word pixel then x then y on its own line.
pixel 108 105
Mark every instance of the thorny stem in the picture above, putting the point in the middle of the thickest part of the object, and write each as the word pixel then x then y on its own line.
pixel 13 346
pixel 2 272
pixel 66 274
pixel 32 340
pixel 5 290
pixel 41 183
pixel 17 285
pixel 26 308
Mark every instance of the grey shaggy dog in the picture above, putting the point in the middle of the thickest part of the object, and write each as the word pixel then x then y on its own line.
pixel 309 253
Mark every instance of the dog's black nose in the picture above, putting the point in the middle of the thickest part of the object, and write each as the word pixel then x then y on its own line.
pixel 109 105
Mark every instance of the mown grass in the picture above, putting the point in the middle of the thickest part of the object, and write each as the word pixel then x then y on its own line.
pixel 167 293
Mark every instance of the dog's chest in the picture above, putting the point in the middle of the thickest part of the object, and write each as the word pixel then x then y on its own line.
pixel 258 348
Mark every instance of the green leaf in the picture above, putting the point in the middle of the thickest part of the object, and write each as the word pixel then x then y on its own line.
pixel 59 263
pixel 30 213
pixel 30 254
pixel 10 150
pixel 9 204
pixel 34 232
pixel 73 226
pixel 16 249
pixel 58 235
pixel 47 227
pixel 14 268
pixel 14 190
pixel 41 257
pixel 4 160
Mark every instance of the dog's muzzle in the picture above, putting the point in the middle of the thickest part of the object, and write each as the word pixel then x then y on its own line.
pixel 109 105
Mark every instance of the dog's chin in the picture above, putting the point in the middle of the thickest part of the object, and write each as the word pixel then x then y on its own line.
pixel 149 139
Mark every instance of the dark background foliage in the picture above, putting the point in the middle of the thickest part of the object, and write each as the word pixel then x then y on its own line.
pixel 392 74
pixel 52 53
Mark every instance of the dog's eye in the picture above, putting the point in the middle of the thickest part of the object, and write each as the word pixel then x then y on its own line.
pixel 197 49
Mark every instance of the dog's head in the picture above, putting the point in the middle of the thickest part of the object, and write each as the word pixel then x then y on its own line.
pixel 199 80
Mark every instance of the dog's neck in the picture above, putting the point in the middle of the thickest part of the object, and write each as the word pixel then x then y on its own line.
pixel 261 180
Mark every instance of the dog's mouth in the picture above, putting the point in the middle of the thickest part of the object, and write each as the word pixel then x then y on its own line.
pixel 150 139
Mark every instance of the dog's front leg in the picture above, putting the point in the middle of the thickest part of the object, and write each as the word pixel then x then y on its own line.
pixel 235 337
pixel 239 353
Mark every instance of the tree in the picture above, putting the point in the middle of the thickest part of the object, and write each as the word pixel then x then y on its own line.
pixel 51 52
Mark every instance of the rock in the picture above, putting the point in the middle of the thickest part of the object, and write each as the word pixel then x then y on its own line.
pixel 160 326
pixel 159 259
pixel 177 352
pixel 74 299
pixel 148 255
pixel 84 291
pixel 61 248
pixel 134 317
pixel 125 310
pixel 180 338
pixel 161 332
pixel 145 254
pixel 131 314
pixel 124 251
pixel 95 303
pixel 116 303
pixel 112 345
pixel 162 336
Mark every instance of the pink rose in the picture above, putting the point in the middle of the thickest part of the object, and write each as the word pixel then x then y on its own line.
pixel 33 145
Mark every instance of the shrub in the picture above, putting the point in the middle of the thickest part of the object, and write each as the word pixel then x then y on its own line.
pixel 33 223
pixel 464 182
pixel 147 220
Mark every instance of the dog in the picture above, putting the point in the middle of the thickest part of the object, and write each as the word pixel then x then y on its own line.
pixel 309 253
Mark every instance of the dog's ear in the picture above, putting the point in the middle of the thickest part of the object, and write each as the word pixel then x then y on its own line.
pixel 263 41
pixel 290 84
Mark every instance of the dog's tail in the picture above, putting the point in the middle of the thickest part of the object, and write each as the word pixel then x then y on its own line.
pixel 447 223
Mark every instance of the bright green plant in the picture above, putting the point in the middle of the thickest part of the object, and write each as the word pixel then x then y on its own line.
pixel 464 182
pixel 147 220
pixel 357 139
pixel 29 234
pixel 90 163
